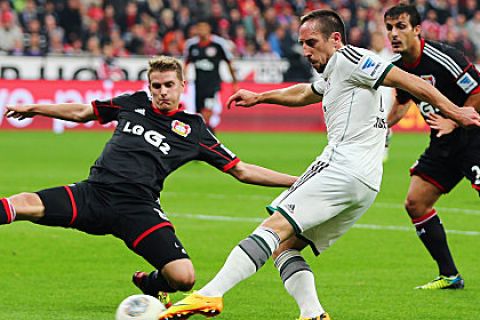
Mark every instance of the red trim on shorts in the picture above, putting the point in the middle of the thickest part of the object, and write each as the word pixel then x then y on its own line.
pixel 425 217
pixel 149 231
pixel 74 204
pixel 230 165
pixel 414 172
pixel 6 206
pixel 476 187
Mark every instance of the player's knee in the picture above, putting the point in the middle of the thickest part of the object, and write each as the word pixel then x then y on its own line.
pixel 28 206
pixel 180 275
pixel 414 208
pixel 182 281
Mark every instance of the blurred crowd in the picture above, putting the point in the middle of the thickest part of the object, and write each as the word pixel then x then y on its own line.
pixel 260 29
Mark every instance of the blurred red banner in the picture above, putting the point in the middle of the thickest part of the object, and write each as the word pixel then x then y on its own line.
pixel 258 118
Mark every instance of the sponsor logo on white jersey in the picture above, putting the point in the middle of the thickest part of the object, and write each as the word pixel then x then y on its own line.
pixel 467 83
pixel 370 66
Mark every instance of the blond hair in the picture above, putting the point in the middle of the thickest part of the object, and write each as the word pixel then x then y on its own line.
pixel 165 63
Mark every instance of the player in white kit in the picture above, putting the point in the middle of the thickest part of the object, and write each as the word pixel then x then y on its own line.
pixel 340 185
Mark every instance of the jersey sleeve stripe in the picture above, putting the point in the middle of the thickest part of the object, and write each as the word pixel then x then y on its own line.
pixel 95 111
pixel 213 150
pixel 149 231
pixel 74 204
pixel 224 44
pixel 354 52
pixel 443 59
pixel 346 55
pixel 382 77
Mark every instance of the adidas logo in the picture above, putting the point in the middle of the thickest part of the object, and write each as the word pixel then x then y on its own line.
pixel 141 111
pixel 290 207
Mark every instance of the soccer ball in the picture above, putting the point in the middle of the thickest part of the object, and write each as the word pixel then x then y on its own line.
pixel 139 307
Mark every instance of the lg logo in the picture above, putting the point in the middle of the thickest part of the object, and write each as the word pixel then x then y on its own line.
pixel 151 136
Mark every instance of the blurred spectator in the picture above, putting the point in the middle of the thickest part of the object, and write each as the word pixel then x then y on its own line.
pixel 266 53
pixel 108 69
pixel 128 17
pixel 71 21
pixel 473 30
pixel 10 32
pixel 160 26
pixel 205 52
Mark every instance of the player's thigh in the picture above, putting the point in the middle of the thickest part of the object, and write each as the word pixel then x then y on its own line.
pixel 471 166
pixel 440 168
pixel 146 230
pixel 320 194
pixel 343 217
pixel 64 205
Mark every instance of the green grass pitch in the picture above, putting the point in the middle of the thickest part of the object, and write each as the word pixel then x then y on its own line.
pixel 53 273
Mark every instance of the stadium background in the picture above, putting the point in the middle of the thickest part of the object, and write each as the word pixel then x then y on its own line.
pixel 52 273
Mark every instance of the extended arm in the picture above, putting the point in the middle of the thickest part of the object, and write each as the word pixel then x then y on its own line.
pixel 398 111
pixel 293 96
pixel 66 111
pixel 466 116
pixel 253 174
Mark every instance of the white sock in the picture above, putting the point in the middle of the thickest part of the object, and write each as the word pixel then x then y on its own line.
pixel 244 260
pixel 301 286
pixel 299 282
pixel 237 268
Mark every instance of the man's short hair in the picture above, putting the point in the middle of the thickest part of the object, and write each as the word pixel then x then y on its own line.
pixel 395 12
pixel 328 22
pixel 165 63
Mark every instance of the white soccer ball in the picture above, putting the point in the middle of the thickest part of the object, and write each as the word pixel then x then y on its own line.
pixel 139 307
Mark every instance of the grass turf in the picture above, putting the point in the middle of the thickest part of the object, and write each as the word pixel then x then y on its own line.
pixel 54 273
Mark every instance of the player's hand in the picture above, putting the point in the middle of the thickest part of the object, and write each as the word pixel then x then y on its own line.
pixel 19 112
pixel 243 98
pixel 443 125
pixel 468 117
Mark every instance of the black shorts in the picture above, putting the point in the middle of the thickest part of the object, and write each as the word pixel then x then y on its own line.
pixel 99 209
pixel 205 98
pixel 446 161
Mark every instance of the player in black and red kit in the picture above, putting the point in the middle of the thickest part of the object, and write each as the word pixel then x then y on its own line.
pixel 121 196
pixel 449 157
pixel 206 51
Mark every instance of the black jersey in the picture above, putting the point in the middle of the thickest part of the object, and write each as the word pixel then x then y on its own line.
pixel 148 145
pixel 206 58
pixel 447 69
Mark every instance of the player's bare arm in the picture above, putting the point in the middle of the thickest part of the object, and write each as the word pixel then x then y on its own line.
pixel 66 111
pixel 294 96
pixel 466 116
pixel 253 174
pixel 398 111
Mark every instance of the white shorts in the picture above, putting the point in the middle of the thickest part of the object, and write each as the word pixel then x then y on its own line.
pixel 323 204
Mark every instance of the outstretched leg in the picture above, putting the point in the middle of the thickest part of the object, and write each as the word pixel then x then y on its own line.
pixel 244 261
pixel 298 278
pixel 421 197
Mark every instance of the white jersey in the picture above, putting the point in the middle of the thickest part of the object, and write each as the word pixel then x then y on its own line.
pixel 354 114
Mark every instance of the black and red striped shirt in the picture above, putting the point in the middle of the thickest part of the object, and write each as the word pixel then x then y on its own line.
pixel 148 145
